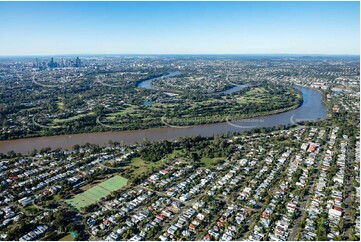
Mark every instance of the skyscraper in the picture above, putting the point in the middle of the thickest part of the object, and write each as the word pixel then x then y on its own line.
pixel 52 63
pixel 77 62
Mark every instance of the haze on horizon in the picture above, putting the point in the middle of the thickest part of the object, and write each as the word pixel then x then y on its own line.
pixel 60 28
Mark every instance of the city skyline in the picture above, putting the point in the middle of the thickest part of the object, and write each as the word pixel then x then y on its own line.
pixel 85 28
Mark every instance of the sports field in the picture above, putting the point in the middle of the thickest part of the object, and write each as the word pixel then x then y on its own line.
pixel 97 192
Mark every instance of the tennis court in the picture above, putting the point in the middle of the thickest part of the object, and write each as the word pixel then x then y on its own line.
pixel 97 192
pixel 79 201
pixel 114 183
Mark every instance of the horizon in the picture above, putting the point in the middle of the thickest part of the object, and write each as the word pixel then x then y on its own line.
pixel 181 54
pixel 179 28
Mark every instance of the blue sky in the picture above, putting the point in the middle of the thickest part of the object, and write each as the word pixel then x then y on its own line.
pixel 47 28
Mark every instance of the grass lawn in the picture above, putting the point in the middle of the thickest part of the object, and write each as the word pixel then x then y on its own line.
pixel 175 153
pixel 57 120
pixel 255 91
pixel 142 167
pixel 209 162
pixel 61 105
pixel 129 109
pixel 31 207
pixel 57 197
pixel 68 237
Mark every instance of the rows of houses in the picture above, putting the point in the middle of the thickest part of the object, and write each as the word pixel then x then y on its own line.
pixel 318 204
pixel 34 177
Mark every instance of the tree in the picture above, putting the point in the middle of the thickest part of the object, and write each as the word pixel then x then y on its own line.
pixel 195 156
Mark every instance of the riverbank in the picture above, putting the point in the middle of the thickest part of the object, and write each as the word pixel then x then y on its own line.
pixel 312 108
pixel 250 103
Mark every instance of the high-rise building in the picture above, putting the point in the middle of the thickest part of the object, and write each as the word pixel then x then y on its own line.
pixel 77 62
pixel 52 63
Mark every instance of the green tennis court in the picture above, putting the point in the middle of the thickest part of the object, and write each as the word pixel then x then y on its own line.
pixel 100 191
pixel 114 183
pixel 97 192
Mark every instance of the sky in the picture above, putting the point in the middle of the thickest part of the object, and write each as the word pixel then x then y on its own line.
pixel 50 28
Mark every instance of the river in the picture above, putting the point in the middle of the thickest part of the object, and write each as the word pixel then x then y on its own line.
pixel 147 84
pixel 312 108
